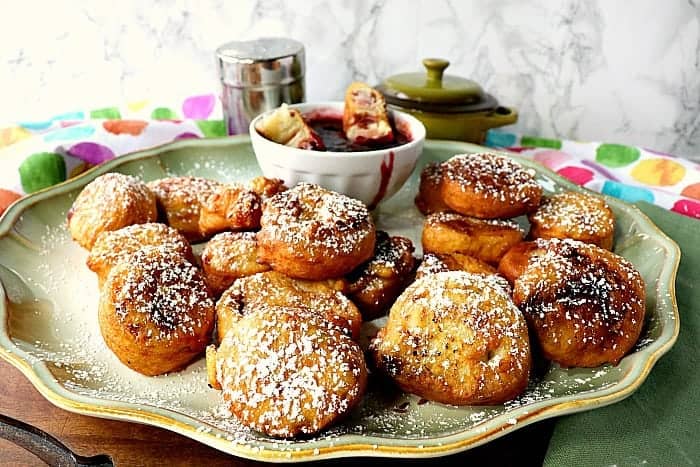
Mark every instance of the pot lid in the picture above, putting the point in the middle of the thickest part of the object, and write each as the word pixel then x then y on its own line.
pixel 432 86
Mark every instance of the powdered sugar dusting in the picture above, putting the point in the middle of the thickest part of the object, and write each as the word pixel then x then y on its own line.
pixel 285 373
pixel 493 176
pixel 59 326
pixel 118 245
pixel 166 288
pixel 310 217
pixel 581 287
pixel 267 289
pixel 576 214
pixel 187 193
pixel 458 333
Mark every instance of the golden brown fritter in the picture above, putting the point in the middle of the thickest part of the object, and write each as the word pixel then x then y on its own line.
pixel 574 215
pixel 111 248
pixel 429 197
pixel 455 338
pixel 484 239
pixel 284 372
pixel 585 304
pixel 489 186
pixel 231 207
pixel 312 233
pixel 180 200
pixel 229 256
pixel 110 202
pixel 433 263
pixel 273 289
pixel 155 311
pixel 374 286
pixel 236 206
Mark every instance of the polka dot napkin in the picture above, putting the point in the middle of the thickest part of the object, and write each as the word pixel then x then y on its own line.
pixel 35 155
pixel 626 172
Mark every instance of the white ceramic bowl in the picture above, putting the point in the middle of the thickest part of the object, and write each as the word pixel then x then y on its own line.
pixel 370 176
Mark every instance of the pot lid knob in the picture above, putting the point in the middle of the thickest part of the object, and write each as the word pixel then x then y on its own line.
pixel 435 67
pixel 432 86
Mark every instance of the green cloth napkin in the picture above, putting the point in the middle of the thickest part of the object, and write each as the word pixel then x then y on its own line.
pixel 660 423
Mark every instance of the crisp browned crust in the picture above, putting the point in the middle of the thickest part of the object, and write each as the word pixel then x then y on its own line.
pixel 574 215
pixel 284 372
pixel 484 239
pixel 312 233
pixel 273 289
pixel 429 197
pixel 365 120
pixel 514 262
pixel 456 338
pixel 231 207
pixel 112 248
pixel 110 202
pixel 585 304
pixel 489 186
pixel 266 187
pixel 229 256
pixel 236 206
pixel 374 286
pixel 155 311
pixel 180 200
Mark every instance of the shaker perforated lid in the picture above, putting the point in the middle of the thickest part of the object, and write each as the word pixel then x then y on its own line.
pixel 260 62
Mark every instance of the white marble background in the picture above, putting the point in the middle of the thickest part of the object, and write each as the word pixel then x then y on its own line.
pixel 613 70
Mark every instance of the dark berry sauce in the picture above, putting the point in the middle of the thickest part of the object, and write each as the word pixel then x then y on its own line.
pixel 330 129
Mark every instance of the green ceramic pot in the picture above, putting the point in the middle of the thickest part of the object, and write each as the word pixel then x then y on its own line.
pixel 449 106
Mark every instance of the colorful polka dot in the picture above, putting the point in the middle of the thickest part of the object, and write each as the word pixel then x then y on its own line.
pixel 600 169
pixel 658 172
pixel 110 113
pixel 7 197
pixel 11 135
pixel 627 193
pixel 92 153
pixel 163 113
pixel 578 175
pixel 687 208
pixel 36 126
pixel 212 128
pixel 186 135
pixel 67 123
pixel 42 170
pixel 72 132
pixel 552 159
pixel 616 155
pixel 535 142
pixel 692 191
pixel 125 127
pixel 199 107
pixel 136 105
pixel 78 115
pixel 500 139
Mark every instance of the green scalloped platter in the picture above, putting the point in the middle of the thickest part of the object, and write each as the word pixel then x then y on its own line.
pixel 49 330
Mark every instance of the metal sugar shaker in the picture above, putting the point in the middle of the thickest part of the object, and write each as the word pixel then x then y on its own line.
pixel 257 76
